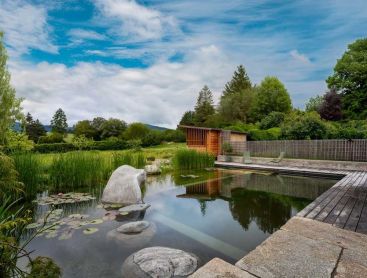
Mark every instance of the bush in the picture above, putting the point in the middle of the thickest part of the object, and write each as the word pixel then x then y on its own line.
pixel 54 148
pixel 114 144
pixel 52 138
pixel 9 184
pixel 153 138
pixel 274 119
pixel 261 135
pixel 18 142
pixel 227 148
pixel 43 267
pixel 192 160
pixel 177 136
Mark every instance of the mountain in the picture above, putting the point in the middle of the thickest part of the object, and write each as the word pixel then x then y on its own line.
pixel 154 127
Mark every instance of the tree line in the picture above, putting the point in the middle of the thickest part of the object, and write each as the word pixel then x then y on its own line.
pixel 265 111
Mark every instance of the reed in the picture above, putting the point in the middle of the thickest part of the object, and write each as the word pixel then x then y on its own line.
pixel 192 160
pixel 77 169
pixel 136 160
pixel 29 168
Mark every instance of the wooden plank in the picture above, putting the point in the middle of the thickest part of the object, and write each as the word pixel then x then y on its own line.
pixel 339 192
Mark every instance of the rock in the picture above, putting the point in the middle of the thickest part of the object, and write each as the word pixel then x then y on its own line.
pixel 133 208
pixel 123 187
pixel 133 240
pixel 133 227
pixel 153 169
pixel 160 262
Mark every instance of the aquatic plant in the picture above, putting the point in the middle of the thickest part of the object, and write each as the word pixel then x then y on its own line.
pixel 77 169
pixel 136 159
pixel 192 160
pixel 30 169
pixel 42 267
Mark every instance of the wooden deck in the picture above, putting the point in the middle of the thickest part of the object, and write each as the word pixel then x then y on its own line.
pixel 344 205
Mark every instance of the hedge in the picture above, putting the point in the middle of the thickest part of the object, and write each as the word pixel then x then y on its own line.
pixel 66 147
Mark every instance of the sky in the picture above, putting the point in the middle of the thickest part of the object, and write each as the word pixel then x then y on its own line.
pixel 146 60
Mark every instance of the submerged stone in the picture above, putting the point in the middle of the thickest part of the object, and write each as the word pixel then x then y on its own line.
pixel 133 227
pixel 160 262
pixel 133 208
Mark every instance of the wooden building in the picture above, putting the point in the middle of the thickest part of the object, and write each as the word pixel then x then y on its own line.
pixel 211 139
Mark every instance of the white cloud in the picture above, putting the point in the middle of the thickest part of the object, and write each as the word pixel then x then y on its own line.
pixel 299 57
pixel 25 27
pixel 156 95
pixel 82 34
pixel 135 20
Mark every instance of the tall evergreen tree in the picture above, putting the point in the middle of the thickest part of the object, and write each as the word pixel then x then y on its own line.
pixel 204 107
pixel 10 109
pixel 59 122
pixel 188 118
pixel 34 129
pixel 236 100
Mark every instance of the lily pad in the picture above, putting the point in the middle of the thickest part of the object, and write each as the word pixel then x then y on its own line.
pixel 96 221
pixel 51 235
pixel 66 235
pixel 90 231
pixel 109 216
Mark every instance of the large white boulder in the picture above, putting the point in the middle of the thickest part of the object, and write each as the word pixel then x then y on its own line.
pixel 123 187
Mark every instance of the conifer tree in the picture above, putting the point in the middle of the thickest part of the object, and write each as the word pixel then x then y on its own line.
pixel 204 106
pixel 59 122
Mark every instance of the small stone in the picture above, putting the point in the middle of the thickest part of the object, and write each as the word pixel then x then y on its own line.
pixel 133 227
pixel 136 207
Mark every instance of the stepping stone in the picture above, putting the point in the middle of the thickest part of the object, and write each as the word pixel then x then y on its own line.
pixel 160 262
pixel 133 227
pixel 285 254
pixel 133 208
pixel 219 268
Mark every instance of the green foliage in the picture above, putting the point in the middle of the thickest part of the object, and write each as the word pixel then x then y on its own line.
pixel 54 148
pixel 192 160
pixel 269 134
pixel 136 131
pixel 237 97
pixel 350 78
pixel 241 127
pixel 29 167
pixel 134 144
pixel 34 129
pixel 77 169
pixel 274 119
pixel 18 142
pixel 9 184
pixel 97 124
pixel 314 103
pixel 112 128
pixel 136 160
pixel 85 128
pixel 54 137
pixel 227 148
pixel 59 122
pixel 300 126
pixel 43 267
pixel 171 135
pixel 81 142
pixel 10 109
pixel 188 118
pixel 204 106
pixel 153 138
pixel 271 96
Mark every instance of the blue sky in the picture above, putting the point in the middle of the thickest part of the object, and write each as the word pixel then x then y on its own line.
pixel 147 60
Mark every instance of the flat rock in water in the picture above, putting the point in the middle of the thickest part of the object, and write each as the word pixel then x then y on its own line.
pixel 136 207
pixel 160 262
pixel 133 239
pixel 133 227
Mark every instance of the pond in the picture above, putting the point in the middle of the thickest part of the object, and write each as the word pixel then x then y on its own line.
pixel 218 213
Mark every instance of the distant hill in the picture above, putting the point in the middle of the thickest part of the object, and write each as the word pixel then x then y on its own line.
pixel 17 127
pixel 154 127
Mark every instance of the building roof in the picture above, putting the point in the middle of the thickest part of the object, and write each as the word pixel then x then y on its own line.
pixel 209 128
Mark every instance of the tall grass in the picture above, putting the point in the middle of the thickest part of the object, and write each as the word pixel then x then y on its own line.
pixel 29 167
pixel 136 160
pixel 192 160
pixel 78 169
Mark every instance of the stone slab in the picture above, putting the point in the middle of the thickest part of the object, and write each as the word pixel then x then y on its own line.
pixel 326 232
pixel 286 254
pixel 218 268
pixel 353 263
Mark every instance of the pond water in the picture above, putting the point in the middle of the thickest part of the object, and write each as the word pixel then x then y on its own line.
pixel 221 213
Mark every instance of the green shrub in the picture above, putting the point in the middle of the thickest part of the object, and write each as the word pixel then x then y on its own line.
pixel 273 119
pixel 177 136
pixel 134 144
pixel 153 138
pixel 54 137
pixel 9 184
pixel 227 148
pixel 115 144
pixel 44 267
pixel 192 160
pixel 261 135
pixel 54 148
